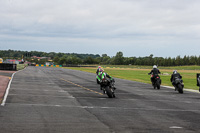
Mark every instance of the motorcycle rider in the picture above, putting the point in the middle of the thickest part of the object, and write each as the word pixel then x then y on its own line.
pixel 103 74
pixel 154 72
pixel 174 76
pixel 198 81
pixel 97 72
pixel 99 67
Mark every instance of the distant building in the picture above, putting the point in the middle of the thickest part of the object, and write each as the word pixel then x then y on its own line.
pixel 49 63
pixel 13 61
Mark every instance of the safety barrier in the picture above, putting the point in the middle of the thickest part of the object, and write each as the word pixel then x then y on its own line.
pixel 48 65
pixel 8 66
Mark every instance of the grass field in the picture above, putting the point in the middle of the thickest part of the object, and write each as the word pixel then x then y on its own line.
pixel 140 73
pixel 20 66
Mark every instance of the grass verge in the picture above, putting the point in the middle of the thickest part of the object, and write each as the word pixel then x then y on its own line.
pixel 20 66
pixel 140 74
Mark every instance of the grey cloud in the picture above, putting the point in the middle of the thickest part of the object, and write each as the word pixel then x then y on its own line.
pixel 101 22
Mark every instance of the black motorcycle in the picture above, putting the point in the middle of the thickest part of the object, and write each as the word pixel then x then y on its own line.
pixel 156 81
pixel 108 87
pixel 178 84
pixel 198 81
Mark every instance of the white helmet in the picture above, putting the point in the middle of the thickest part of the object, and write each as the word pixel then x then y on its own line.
pixel 154 66
pixel 175 71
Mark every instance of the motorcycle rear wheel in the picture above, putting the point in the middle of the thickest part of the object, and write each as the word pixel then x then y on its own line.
pixel 180 88
pixel 154 85
pixel 158 85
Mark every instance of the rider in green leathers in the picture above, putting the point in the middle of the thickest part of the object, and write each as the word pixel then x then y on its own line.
pixel 101 76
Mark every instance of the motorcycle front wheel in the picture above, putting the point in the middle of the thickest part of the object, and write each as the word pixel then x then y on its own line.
pixel 109 92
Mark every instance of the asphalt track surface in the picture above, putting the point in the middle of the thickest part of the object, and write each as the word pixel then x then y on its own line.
pixel 56 100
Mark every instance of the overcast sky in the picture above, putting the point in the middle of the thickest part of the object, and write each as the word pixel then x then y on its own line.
pixel 135 27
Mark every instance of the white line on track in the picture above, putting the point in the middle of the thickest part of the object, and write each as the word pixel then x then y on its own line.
pixel 8 88
pixel 175 127
pixel 184 89
pixel 96 107
pixel 134 99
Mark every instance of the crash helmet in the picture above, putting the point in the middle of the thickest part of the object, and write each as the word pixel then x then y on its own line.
pixel 175 71
pixel 99 66
pixel 154 66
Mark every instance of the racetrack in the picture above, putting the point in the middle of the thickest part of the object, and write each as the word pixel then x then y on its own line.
pixel 56 100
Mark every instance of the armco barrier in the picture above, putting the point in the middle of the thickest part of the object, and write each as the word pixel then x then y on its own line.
pixel 8 66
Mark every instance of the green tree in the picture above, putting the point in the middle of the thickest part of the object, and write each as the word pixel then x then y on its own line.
pixel 89 60
pixel 119 59
pixel 105 59
pixel 62 61
pixel 56 60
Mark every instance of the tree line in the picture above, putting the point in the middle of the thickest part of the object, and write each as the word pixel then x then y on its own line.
pixel 26 54
pixel 104 59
